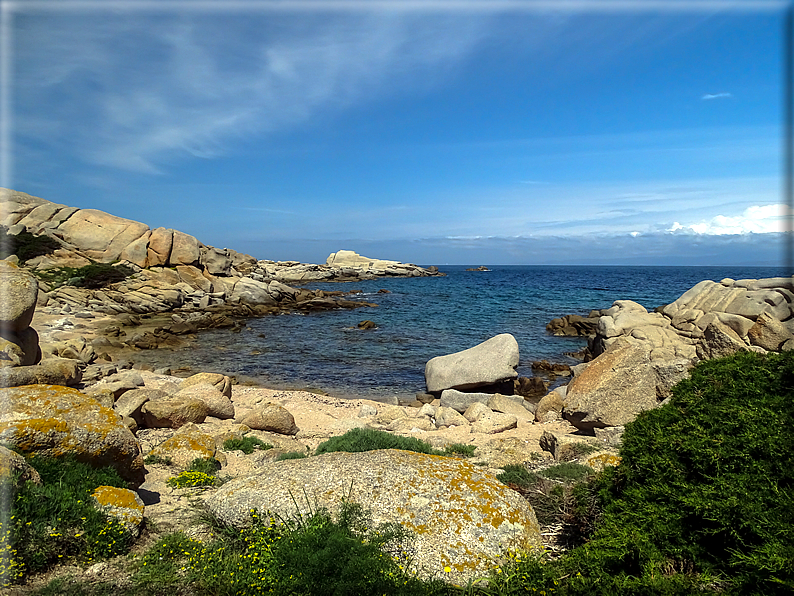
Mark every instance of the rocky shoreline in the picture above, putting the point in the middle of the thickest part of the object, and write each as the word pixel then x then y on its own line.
pixel 68 388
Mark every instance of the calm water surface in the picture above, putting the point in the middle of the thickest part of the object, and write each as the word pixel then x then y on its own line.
pixel 430 316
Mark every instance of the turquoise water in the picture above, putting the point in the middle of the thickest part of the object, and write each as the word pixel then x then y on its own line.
pixel 425 317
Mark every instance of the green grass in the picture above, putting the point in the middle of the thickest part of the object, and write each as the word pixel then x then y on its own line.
pixel 292 455
pixel 518 475
pixel 365 439
pixel 460 449
pixel 247 445
pixel 567 472
pixel 155 459
pixel 56 521
pixel 316 554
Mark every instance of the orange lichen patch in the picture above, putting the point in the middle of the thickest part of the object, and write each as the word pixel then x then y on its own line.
pixel 122 504
pixel 110 496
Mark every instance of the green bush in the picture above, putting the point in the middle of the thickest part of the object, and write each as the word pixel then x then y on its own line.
pixel 246 445
pixel 460 449
pixel 25 245
pixel 317 554
pixel 705 485
pixel 567 472
pixel 291 455
pixel 365 439
pixel 56 521
pixel 154 459
pixel 202 472
pixel 93 276
pixel 518 475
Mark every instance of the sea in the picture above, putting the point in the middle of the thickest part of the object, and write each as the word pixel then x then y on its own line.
pixel 420 318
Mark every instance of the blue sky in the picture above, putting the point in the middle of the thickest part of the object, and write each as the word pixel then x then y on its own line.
pixel 428 132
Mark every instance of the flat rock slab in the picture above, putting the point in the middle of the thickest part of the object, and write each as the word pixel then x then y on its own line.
pixel 462 517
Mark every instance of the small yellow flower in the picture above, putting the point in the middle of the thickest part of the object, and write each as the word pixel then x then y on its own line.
pixel 447 569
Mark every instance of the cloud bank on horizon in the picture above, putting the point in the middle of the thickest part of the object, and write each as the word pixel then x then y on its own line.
pixel 291 133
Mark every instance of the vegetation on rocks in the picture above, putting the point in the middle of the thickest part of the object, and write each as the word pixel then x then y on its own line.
pixel 55 521
pixel 25 245
pixel 246 444
pixel 202 472
pixel 93 276
pixel 701 502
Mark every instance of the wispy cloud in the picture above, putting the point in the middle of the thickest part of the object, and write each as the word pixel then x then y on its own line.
pixel 716 95
pixel 758 219
pixel 137 91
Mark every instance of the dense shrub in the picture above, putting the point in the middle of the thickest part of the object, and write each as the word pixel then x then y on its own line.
pixel 25 245
pixel 317 554
pixel 246 445
pixel 56 521
pixel 93 276
pixel 706 484
pixel 202 472
pixel 365 439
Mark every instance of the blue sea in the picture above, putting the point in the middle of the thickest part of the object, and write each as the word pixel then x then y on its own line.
pixel 430 316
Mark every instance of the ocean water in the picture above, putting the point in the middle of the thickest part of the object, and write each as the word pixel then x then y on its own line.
pixel 430 316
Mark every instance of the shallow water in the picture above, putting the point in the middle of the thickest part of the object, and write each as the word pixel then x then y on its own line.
pixel 425 317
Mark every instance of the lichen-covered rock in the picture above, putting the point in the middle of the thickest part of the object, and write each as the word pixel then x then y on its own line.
pixel 173 412
pixel 488 363
pixel 462 517
pixel 55 421
pixel 122 504
pixel 271 417
pixel 187 444
pixel 218 405
pixel 11 463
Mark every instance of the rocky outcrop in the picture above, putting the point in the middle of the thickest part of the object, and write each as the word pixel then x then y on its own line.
pixel 19 343
pixel 271 417
pixel 54 421
pixel 121 504
pixel 640 356
pixel 491 362
pixel 462 517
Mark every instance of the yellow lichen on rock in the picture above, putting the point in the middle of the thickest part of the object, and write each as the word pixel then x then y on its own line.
pixel 121 504
pixel 187 444
pixel 54 421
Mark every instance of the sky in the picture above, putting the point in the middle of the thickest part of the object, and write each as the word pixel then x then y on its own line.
pixel 433 132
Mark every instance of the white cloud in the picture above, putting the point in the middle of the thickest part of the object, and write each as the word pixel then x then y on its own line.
pixel 716 95
pixel 758 219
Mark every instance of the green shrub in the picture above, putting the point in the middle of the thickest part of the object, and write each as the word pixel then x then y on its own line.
pixel 518 475
pixel 93 276
pixel 460 449
pixel 246 445
pixel 202 472
pixel 566 472
pixel 56 521
pixel 291 455
pixel 25 245
pixel 365 439
pixel 705 485
pixel 316 554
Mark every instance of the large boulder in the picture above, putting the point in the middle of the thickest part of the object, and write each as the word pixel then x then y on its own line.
pixel 19 298
pixel 173 412
pixel 271 417
pixel 462 517
pixel 56 421
pixel 218 405
pixel 100 236
pixel 51 371
pixel 614 387
pixel 488 363
pixel 768 333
